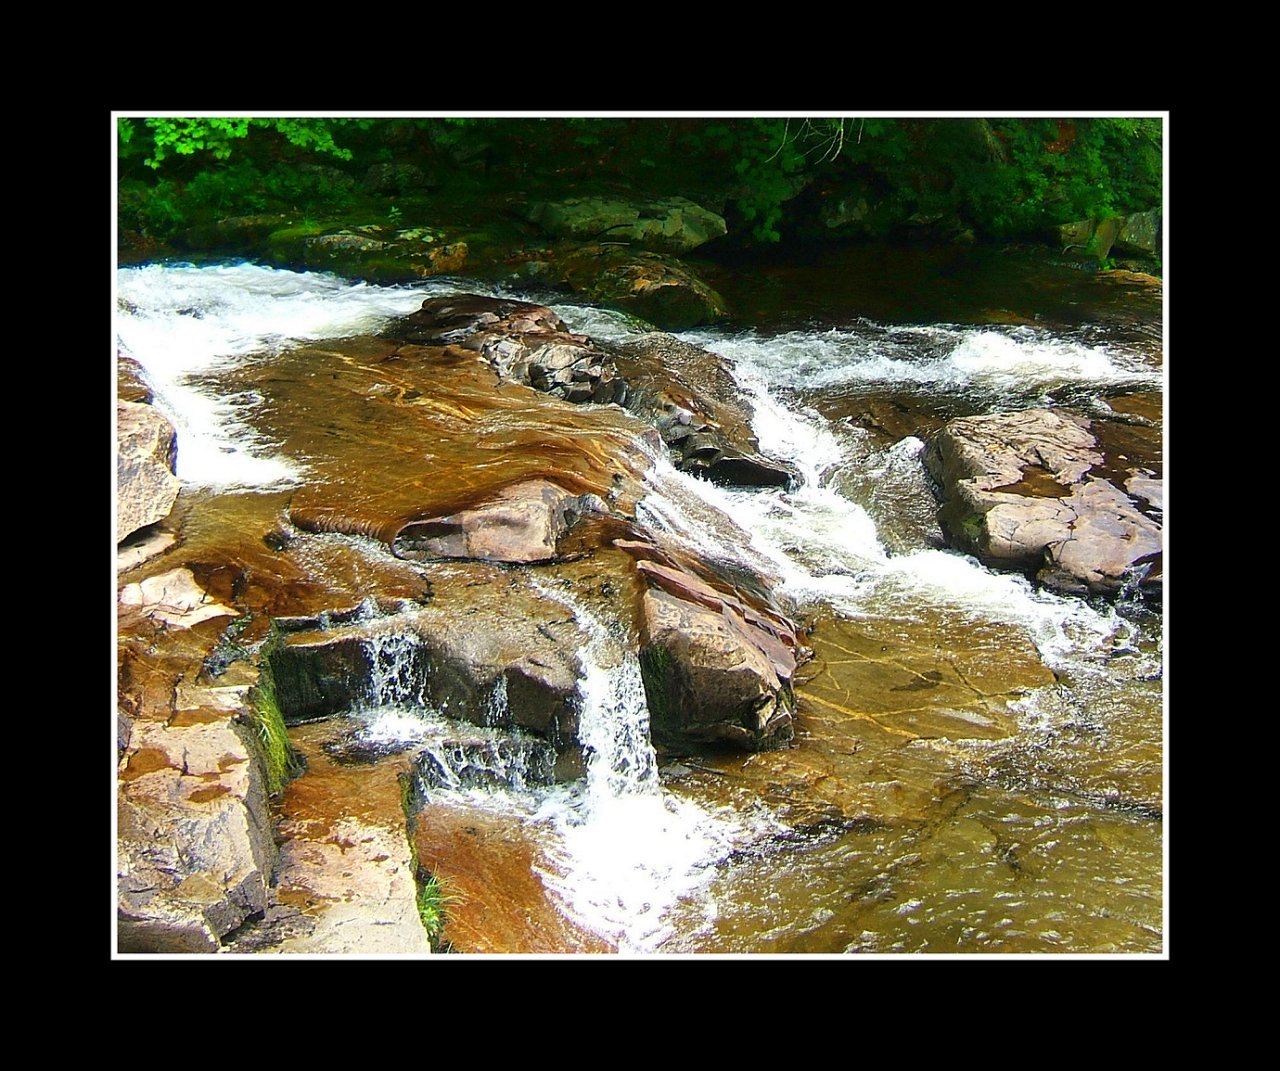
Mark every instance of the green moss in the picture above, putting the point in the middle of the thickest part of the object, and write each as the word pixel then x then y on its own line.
pixel 974 528
pixel 270 735
pixel 657 671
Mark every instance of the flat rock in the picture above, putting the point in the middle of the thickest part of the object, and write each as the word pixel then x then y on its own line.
pixel 142 547
pixel 173 598
pixel 345 878
pixel 522 523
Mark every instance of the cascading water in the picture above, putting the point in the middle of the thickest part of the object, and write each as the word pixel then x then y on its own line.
pixel 625 852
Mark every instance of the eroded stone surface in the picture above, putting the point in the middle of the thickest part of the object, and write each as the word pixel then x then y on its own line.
pixel 173 598
pixel 146 456
pixel 345 882
pixel 1018 493
pixel 195 848
pixel 690 396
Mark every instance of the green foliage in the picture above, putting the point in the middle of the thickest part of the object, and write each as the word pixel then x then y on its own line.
pixel 1056 171
pixel 216 136
pixel 433 904
pixel 1000 177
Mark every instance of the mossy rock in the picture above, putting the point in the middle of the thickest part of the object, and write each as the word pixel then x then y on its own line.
pixel 651 285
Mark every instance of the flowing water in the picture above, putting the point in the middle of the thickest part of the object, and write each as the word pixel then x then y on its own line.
pixel 979 764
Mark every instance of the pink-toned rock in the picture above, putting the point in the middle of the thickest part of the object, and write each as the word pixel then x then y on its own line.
pixel 1019 494
pixel 146 456
pixel 173 598
pixel 523 523
pixel 714 668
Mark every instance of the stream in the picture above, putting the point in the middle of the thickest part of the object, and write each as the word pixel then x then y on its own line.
pixel 979 764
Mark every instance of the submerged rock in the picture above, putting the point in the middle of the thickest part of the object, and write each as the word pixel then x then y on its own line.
pixel 146 458
pixel 1018 493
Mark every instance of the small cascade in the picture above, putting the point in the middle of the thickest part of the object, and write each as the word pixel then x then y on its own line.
pixel 626 851
pixel 396 676
pixel 459 757
pixel 450 755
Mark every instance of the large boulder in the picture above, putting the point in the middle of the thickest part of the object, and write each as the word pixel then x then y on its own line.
pixel 671 225
pixel 1139 234
pixel 146 457
pixel 1018 493
pixel 1092 238
pixel 369 250
pixel 715 669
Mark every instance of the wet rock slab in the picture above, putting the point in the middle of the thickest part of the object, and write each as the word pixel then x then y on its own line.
pixel 345 881
pixel 487 865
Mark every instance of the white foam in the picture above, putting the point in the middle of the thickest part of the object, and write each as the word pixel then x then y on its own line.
pixel 937 358
pixel 181 322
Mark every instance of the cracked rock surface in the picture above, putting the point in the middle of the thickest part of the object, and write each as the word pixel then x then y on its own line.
pixel 1019 491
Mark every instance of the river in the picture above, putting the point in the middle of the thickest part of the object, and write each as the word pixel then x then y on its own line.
pixel 979 765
